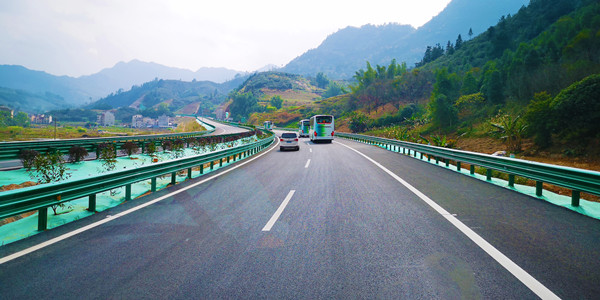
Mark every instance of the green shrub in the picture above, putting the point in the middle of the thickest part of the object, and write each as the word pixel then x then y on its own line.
pixel 77 153
pixel 129 148
pixel 28 157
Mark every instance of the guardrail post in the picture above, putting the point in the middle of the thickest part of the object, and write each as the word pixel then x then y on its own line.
pixel 128 192
pixel 403 150
pixel 220 162
pixel 575 195
pixel 189 173
pixel 447 162
pixel 228 159
pixel 174 178
pixel 472 170
pixel 458 166
pixel 415 153
pixel 42 219
pixel 437 160
pixel 153 184
pixel 92 203
pixel 421 155
pixel 201 169
pixel 488 174
pixel 539 186
pixel 511 180
pixel 212 164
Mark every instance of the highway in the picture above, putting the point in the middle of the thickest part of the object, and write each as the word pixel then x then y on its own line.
pixel 340 220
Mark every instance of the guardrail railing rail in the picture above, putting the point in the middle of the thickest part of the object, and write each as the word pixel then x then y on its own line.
pixel 578 180
pixel 41 197
pixel 12 150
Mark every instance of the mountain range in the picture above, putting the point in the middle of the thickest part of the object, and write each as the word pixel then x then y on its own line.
pixel 346 51
pixel 339 56
pixel 86 89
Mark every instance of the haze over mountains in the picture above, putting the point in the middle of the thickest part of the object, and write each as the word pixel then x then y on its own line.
pixel 346 51
pixel 339 56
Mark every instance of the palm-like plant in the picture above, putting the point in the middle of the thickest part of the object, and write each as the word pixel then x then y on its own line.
pixel 510 130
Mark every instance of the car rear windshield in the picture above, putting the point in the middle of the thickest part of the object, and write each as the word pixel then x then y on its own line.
pixel 324 120
pixel 288 135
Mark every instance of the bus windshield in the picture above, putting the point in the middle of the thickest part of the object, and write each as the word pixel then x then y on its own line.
pixel 324 119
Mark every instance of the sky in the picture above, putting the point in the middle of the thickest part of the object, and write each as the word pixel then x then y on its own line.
pixel 81 37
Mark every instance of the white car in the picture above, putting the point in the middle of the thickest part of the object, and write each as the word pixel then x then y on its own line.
pixel 288 140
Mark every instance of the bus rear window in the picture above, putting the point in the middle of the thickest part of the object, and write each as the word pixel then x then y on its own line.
pixel 324 119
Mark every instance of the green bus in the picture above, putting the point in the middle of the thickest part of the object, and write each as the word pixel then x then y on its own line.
pixel 268 125
pixel 303 128
pixel 321 128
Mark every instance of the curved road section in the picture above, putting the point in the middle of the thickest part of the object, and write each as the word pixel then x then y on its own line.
pixel 340 220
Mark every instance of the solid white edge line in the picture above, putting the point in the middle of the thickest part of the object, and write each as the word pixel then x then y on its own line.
pixel 307 163
pixel 123 213
pixel 278 212
pixel 533 284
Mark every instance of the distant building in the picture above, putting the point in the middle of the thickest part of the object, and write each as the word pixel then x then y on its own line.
pixel 7 109
pixel 219 114
pixel 163 121
pixel 148 122
pixel 106 119
pixel 137 121
pixel 40 119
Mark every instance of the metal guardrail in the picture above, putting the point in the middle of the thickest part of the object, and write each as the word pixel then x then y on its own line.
pixel 578 180
pixel 11 150
pixel 41 197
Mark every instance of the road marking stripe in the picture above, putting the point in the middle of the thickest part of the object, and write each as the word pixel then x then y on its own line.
pixel 279 211
pixel 123 213
pixel 310 149
pixel 532 283
pixel 307 163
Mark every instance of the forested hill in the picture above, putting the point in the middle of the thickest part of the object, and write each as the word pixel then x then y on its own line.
pixel 535 74
pixel 177 94
pixel 347 50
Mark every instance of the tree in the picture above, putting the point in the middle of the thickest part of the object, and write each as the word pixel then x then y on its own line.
pixel 333 89
pixel 470 33
pixel 458 43
pixel 449 48
pixel 129 148
pixel 358 122
pixel 242 104
pixel 469 84
pixel 28 157
pixel 108 156
pixel 577 109
pixel 21 119
pixel 322 80
pixel 49 167
pixel 493 86
pixel 442 111
pixel 77 153
pixel 539 118
pixel 276 101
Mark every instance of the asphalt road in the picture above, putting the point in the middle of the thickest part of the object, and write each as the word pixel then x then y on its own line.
pixel 349 230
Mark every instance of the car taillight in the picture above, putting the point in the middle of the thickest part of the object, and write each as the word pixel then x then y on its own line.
pixel 296 140
pixel 281 140
pixel 315 133
pixel 332 133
